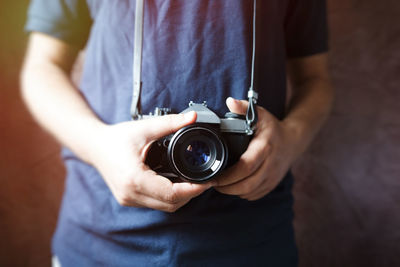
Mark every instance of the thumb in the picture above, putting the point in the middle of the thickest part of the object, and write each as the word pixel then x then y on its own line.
pixel 158 127
pixel 237 106
pixel 187 191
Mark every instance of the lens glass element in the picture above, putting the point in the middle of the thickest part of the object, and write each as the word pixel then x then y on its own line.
pixel 197 153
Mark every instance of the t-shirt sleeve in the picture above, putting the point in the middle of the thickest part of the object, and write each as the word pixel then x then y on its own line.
pixel 306 28
pixel 67 20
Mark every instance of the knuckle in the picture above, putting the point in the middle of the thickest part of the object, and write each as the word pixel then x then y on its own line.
pixel 171 208
pixel 135 186
pixel 249 166
pixel 126 183
pixel 131 182
pixel 247 188
pixel 268 132
pixel 172 198
pixel 264 151
pixel 267 148
pixel 123 199
pixel 258 152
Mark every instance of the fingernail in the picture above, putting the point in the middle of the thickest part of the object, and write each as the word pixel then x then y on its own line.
pixel 189 115
pixel 232 99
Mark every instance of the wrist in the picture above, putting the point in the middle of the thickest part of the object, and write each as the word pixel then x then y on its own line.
pixel 299 134
pixel 92 137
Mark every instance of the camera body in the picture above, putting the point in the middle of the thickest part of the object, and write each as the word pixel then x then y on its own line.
pixel 200 151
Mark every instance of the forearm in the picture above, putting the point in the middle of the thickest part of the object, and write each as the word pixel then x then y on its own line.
pixel 58 106
pixel 308 109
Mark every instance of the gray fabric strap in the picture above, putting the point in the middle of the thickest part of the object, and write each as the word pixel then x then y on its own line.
pixel 137 59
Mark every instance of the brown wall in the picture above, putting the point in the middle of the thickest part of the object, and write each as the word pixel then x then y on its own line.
pixel 347 200
pixel 348 184
pixel 31 174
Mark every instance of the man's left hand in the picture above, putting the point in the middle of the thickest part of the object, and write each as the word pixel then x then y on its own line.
pixel 267 159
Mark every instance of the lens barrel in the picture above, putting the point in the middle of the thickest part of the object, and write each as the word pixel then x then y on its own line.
pixel 197 153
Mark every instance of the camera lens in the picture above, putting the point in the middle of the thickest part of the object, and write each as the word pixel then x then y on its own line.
pixel 197 153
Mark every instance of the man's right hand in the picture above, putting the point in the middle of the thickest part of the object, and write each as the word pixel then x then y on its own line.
pixel 119 153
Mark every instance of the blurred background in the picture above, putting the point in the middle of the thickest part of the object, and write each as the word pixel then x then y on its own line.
pixel 347 185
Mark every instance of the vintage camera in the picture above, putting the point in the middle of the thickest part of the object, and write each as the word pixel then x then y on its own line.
pixel 200 151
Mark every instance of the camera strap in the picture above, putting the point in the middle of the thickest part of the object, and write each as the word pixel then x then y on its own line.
pixel 252 95
pixel 251 116
pixel 137 60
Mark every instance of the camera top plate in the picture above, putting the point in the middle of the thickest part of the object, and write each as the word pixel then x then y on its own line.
pixel 204 114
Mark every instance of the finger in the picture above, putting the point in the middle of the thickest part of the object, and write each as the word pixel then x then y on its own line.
pixel 158 127
pixel 237 106
pixel 140 200
pixel 270 183
pixel 249 162
pixel 258 195
pixel 189 190
pixel 244 187
pixel 261 191
pixel 249 185
pixel 162 189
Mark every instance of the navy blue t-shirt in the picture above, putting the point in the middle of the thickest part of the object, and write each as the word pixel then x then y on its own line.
pixel 193 50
